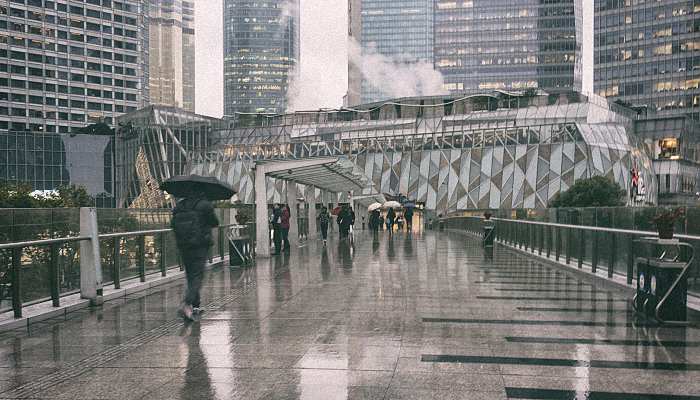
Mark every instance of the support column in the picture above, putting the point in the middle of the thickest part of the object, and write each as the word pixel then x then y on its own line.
pixel 311 201
pixel 292 194
pixel 262 227
pixel 90 258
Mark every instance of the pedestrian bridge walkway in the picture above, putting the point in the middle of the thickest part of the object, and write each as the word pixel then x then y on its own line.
pixel 405 317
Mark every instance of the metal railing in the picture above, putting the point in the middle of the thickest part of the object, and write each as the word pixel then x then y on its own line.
pixel 595 248
pixel 151 253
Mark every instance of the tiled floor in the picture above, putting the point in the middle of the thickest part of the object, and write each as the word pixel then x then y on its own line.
pixel 422 317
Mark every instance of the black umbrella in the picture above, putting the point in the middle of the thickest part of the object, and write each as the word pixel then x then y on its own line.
pixel 191 185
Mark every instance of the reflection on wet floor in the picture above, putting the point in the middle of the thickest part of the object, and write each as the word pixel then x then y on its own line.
pixel 426 316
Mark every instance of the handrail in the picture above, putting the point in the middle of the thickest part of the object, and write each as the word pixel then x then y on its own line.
pixel 585 227
pixel 155 231
pixel 42 242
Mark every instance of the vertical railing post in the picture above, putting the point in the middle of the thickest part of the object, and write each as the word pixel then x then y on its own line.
pixel 116 256
pixel 613 255
pixel 17 282
pixel 630 259
pixel 142 258
pixel 557 249
pixel 569 238
pixel 162 263
pixel 594 255
pixel 581 254
pixel 90 260
pixel 221 244
pixel 540 239
pixel 53 275
pixel 548 245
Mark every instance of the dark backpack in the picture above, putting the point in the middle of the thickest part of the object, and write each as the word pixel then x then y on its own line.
pixel 188 226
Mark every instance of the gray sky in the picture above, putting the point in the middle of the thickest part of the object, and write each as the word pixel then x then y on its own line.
pixel 323 67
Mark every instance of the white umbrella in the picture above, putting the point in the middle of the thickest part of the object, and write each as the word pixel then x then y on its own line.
pixel 374 206
pixel 392 204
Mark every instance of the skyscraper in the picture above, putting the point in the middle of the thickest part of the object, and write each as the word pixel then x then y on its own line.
pixel 67 64
pixel 474 44
pixel 648 53
pixel 261 51
pixel 171 53
pixel 647 56
pixel 399 31
pixel 505 44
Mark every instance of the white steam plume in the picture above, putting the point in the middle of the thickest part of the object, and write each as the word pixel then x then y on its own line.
pixel 394 77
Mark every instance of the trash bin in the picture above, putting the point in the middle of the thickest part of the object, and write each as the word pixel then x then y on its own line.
pixel 662 281
pixel 655 279
pixel 489 233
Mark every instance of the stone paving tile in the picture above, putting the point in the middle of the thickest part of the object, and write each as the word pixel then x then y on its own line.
pixel 339 324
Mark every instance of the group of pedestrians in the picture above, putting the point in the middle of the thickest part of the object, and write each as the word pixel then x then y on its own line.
pixel 345 220
pixel 378 222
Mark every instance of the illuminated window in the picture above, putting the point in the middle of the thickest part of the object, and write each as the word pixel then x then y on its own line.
pixel 669 148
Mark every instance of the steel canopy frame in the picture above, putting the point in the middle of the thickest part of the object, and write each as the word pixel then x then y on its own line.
pixel 333 174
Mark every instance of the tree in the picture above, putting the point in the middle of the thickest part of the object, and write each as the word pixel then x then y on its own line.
pixel 598 191
pixel 19 195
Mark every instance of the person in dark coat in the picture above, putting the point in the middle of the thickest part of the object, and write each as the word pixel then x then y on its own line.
pixel 195 249
pixel 276 221
pixel 344 221
pixel 374 222
pixel 390 218
pixel 323 220
pixel 408 215
pixel 284 227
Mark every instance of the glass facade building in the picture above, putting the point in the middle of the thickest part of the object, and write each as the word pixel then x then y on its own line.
pixel 261 51
pixel 66 64
pixel 399 30
pixel 171 53
pixel 647 53
pixel 503 44
pixel 489 150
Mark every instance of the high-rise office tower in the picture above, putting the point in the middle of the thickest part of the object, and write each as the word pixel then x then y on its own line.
pixel 505 44
pixel 388 31
pixel 647 56
pixel 66 64
pixel 171 53
pixel 261 51
pixel 648 53
pixel 474 44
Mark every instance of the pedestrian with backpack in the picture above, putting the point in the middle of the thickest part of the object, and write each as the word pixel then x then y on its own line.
pixel 192 222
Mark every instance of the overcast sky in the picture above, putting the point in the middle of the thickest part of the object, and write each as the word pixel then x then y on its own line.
pixel 323 67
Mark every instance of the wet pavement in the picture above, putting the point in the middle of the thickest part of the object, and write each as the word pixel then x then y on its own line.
pixel 425 317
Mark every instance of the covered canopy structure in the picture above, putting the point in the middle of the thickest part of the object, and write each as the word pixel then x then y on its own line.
pixel 334 174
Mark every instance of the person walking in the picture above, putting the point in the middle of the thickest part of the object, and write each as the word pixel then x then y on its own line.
pixel 374 222
pixel 284 225
pixel 323 220
pixel 408 215
pixel 390 218
pixel 344 221
pixel 192 221
pixel 276 221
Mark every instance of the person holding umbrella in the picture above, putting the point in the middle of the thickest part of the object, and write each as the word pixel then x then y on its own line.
pixel 192 222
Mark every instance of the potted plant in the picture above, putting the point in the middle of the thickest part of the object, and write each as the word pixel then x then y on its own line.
pixel 666 220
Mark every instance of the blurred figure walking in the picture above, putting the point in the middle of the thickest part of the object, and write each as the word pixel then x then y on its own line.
pixel 192 222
